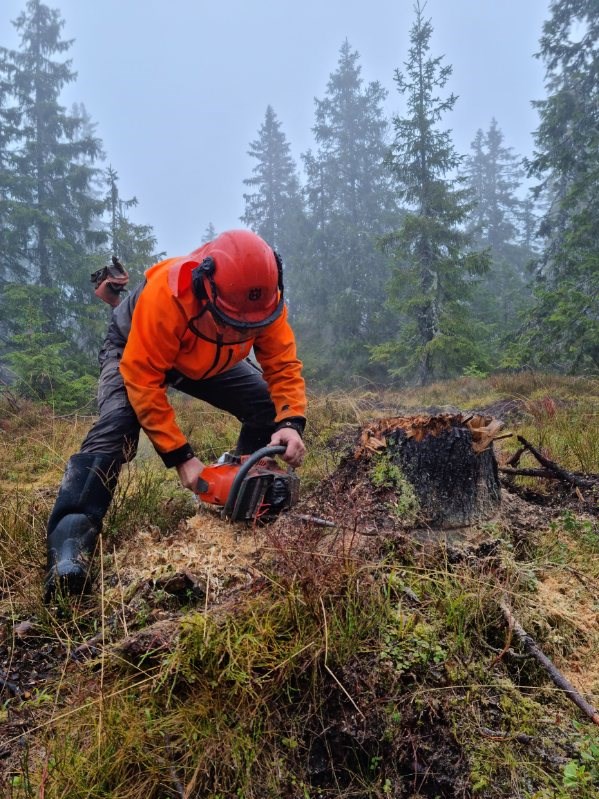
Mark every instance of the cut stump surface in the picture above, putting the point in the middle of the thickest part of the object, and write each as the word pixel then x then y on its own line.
pixel 447 459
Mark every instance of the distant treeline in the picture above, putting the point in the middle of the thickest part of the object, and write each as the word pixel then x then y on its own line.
pixel 404 260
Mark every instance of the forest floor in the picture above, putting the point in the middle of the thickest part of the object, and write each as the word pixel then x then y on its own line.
pixel 371 658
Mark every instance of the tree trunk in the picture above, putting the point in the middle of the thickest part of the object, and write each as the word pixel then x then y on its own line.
pixel 447 459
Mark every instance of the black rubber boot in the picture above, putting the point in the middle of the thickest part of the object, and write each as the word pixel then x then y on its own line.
pixel 76 521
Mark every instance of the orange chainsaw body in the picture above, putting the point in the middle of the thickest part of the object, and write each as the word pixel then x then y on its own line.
pixel 264 491
pixel 219 478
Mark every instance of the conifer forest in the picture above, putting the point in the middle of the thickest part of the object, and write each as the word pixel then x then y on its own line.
pixel 406 261
pixel 372 570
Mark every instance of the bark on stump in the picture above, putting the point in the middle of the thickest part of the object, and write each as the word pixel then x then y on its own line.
pixel 448 460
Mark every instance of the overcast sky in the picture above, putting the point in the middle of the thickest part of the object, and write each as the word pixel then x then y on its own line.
pixel 179 88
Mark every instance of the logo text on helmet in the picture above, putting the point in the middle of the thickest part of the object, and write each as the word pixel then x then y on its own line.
pixel 254 294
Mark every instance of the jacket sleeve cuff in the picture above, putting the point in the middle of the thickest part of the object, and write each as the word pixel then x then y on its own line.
pixel 297 423
pixel 177 456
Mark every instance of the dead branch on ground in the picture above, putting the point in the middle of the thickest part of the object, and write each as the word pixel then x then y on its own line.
pixel 554 673
pixel 549 471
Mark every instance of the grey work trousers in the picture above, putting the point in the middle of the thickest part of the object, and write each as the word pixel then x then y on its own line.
pixel 241 391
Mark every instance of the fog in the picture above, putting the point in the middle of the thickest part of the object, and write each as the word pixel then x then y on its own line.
pixel 179 89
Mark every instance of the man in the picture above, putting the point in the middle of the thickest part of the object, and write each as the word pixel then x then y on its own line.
pixel 190 325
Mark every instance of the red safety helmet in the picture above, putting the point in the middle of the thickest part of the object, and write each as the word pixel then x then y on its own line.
pixel 240 280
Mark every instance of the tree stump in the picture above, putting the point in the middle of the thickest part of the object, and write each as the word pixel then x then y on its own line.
pixel 448 461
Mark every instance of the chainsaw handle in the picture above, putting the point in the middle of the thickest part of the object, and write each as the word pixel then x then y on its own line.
pixel 265 452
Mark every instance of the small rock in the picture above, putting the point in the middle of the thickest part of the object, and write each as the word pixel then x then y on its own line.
pixel 24 629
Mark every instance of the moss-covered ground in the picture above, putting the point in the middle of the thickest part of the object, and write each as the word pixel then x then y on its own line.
pixel 301 660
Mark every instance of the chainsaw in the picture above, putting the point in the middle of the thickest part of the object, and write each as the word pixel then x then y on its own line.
pixel 249 487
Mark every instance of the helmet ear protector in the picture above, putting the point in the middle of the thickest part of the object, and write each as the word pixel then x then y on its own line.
pixel 205 269
pixel 204 273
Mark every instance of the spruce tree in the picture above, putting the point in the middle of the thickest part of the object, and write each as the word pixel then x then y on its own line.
pixel 494 175
pixel 49 203
pixel 276 196
pixel 44 365
pixel 10 265
pixel 209 233
pixel 274 209
pixel 350 205
pixel 53 207
pixel 132 243
pixel 563 330
pixel 433 256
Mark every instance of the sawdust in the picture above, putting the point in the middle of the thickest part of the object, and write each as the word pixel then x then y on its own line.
pixel 570 606
pixel 218 553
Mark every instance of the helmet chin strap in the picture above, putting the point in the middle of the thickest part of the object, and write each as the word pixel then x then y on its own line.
pixel 214 337
pixel 239 325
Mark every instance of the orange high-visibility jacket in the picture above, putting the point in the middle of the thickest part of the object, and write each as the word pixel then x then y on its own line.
pixel 160 340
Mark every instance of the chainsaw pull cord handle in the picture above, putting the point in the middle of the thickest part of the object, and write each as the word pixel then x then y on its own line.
pixel 265 452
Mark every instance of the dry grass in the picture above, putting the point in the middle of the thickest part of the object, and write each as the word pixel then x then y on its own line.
pixel 295 661
pixel 35 444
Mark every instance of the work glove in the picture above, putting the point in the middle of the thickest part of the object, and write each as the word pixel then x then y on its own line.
pixel 110 282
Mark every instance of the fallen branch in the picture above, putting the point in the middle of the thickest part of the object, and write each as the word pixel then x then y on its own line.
pixel 515 459
pixel 557 677
pixel 316 520
pixel 546 473
pixel 563 474
pixel 502 436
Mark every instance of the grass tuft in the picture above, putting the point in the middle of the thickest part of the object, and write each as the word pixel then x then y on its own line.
pixel 341 669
